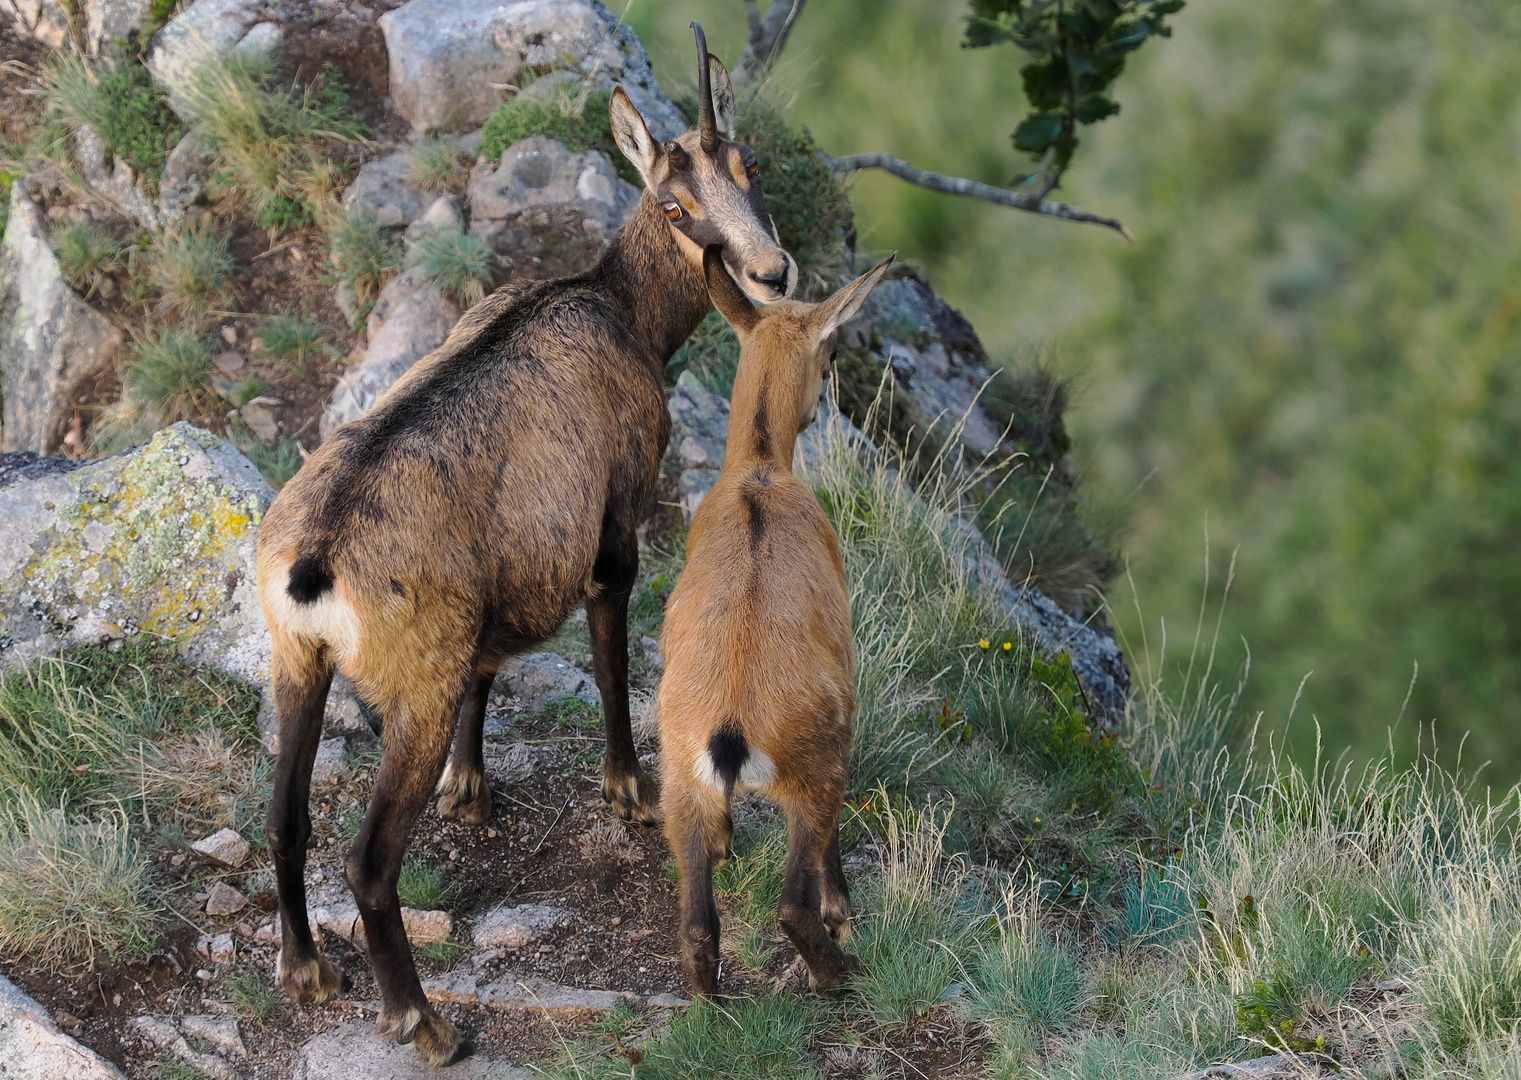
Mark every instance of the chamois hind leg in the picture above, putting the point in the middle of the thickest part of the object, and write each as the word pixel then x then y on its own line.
pixel 301 675
pixel 418 728
pixel 463 793
pixel 697 826
pixel 810 823
pixel 633 793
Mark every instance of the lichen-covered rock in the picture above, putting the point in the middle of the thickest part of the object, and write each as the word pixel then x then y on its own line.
pixel 381 188
pixel 31 1045
pixel 449 57
pixel 115 179
pixel 533 680
pixel 186 170
pixel 110 21
pixel 51 341
pixel 415 318
pixel 160 540
pixel 540 175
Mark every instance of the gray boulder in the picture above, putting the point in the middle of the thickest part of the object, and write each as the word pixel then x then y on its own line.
pixel 109 21
pixel 414 319
pixel 113 180
pixel 188 167
pixel 200 30
pixel 46 20
pixel 449 57
pixel 51 341
pixel 32 1047
pixel 352 1051
pixel 533 680
pixel 381 188
pixel 157 540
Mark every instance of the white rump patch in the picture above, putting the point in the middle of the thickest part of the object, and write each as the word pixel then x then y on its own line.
pixel 328 618
pixel 757 773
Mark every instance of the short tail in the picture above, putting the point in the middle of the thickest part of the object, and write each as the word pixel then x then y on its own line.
pixel 728 751
pixel 310 577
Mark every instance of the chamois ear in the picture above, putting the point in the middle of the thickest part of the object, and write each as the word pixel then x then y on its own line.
pixel 723 96
pixel 731 303
pixel 632 136
pixel 840 308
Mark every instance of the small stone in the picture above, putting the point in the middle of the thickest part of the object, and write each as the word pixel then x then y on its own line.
pixel 229 362
pixel 203 975
pixel 513 927
pixel 225 847
pixel 617 920
pixel 223 899
pixel 268 934
pixel 668 1001
pixel 259 415
pixel 454 855
pixel 68 1023
pixel 229 335
pixel 1392 986
pixel 178 860
pixel 223 951
pixel 156 1031
pixel 549 998
pixel 427 927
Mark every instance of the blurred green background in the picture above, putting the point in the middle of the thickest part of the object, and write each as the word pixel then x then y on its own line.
pixel 1310 354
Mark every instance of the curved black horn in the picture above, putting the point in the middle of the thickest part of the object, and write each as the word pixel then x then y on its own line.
pixel 707 126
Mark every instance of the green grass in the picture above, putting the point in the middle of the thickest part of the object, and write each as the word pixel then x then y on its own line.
pixel 173 1068
pixel 437 165
pixel 761 1039
pixel 421 886
pixel 363 255
pixel 168 375
pixel 119 101
pixel 575 114
pixel 443 954
pixel 88 255
pixel 277 143
pixel 277 463
pixel 192 268
pixel 296 344
pixel 253 995
pixel 461 264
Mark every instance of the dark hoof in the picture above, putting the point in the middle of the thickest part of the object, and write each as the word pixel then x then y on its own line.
pixel 633 796
pixel 464 796
pixel 310 981
pixel 438 1041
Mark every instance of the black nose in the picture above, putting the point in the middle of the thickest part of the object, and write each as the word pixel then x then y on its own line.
pixel 777 281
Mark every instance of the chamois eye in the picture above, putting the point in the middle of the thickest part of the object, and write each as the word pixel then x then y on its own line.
pixel 672 210
pixel 752 168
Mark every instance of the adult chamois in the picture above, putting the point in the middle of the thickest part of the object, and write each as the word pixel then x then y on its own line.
pixel 759 683
pixel 490 491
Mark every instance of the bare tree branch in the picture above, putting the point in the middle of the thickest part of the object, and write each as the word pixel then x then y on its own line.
pixel 957 185
pixel 768 36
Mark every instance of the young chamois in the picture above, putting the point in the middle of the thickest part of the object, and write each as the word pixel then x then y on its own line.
pixel 759 678
pixel 490 491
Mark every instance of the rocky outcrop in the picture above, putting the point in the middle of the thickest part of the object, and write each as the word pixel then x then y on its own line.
pixel 381 189
pixel 113 180
pixel 51 341
pixel 411 318
pixel 157 540
pixel 351 1051
pixel 186 171
pixel 448 58
pixel 109 21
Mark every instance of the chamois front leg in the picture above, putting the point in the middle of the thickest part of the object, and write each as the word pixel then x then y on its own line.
pixel 633 793
pixel 301 677
pixel 417 741
pixel 463 793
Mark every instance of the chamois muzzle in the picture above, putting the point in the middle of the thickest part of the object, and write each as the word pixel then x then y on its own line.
pixel 707 124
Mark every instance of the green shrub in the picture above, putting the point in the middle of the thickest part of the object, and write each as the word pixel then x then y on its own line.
pixel 421 886
pixel 575 114
pixel 461 264
pixel 255 998
pixel 169 376
pixel 119 101
pixel 765 1038
pixel 363 255
pixel 192 269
